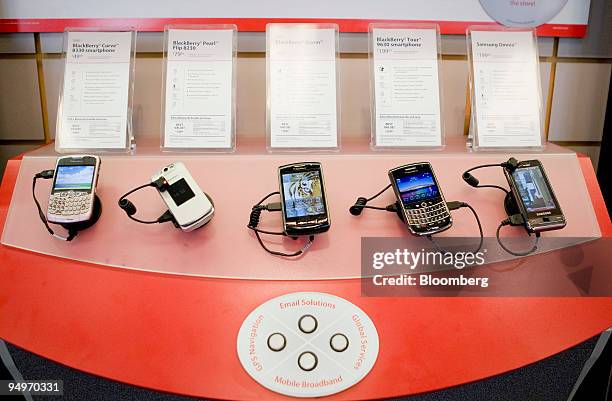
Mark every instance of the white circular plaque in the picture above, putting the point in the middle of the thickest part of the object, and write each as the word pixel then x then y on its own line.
pixel 523 13
pixel 329 344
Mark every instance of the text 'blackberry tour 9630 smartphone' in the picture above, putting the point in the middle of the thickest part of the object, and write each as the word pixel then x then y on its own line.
pixel 303 199
pixel 534 197
pixel 72 194
pixel 422 203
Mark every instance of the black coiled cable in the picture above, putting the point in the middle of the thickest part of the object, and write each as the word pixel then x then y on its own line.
pixel 533 248
pixel 361 203
pixel 48 174
pixel 130 209
pixel 254 222
pixel 254 217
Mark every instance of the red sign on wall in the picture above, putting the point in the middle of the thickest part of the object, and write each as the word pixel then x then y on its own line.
pixel 563 18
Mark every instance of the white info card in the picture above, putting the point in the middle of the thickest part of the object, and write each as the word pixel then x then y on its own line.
pixel 506 89
pixel 94 107
pixel 198 110
pixel 406 88
pixel 302 87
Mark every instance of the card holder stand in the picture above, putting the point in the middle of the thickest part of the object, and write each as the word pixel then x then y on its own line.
pixel 83 124
pixel 400 47
pixel 217 52
pixel 309 46
pixel 521 52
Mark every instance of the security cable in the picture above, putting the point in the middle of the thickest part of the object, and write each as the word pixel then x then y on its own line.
pixel 361 203
pixel 48 174
pixel 513 219
pixel 508 222
pixel 130 208
pixel 454 205
pixel 511 165
pixel 254 222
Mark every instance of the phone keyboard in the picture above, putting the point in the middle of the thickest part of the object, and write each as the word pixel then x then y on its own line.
pixel 427 215
pixel 69 203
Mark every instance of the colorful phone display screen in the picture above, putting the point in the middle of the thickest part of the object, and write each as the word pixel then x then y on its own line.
pixel 416 187
pixel 533 189
pixel 74 178
pixel 303 194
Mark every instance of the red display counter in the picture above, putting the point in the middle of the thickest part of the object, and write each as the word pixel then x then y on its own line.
pixel 177 332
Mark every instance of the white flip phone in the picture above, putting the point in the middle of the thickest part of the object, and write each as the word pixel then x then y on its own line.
pixel 189 205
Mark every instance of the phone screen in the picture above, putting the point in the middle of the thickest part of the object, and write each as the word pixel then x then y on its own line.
pixel 180 192
pixel 533 189
pixel 303 194
pixel 417 186
pixel 74 178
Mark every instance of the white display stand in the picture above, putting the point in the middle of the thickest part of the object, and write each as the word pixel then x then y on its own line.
pixel 199 88
pixel 95 102
pixel 405 86
pixel 307 344
pixel 162 248
pixel 505 88
pixel 303 110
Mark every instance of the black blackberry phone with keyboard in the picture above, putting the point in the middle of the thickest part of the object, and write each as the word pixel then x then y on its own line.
pixel 420 199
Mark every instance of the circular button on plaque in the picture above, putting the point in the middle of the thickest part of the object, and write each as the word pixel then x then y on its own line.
pixel 277 342
pixel 307 324
pixel 339 342
pixel 307 361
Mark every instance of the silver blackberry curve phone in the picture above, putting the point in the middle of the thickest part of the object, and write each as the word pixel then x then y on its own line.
pixel 74 184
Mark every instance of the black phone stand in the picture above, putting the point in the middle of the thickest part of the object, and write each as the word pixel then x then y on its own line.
pixel 83 225
pixel 398 211
pixel 510 205
pixel 72 228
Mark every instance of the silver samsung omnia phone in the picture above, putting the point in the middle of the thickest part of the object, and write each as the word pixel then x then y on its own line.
pixel 189 205
pixel 421 202
pixel 73 191
pixel 303 201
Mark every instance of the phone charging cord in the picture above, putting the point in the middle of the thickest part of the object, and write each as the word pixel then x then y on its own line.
pixel 454 205
pixel 513 220
pixel 130 208
pixel 516 220
pixel 361 203
pixel 254 222
pixel 509 165
pixel 46 175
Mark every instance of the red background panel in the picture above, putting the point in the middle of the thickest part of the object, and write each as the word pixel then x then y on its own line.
pixel 252 24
